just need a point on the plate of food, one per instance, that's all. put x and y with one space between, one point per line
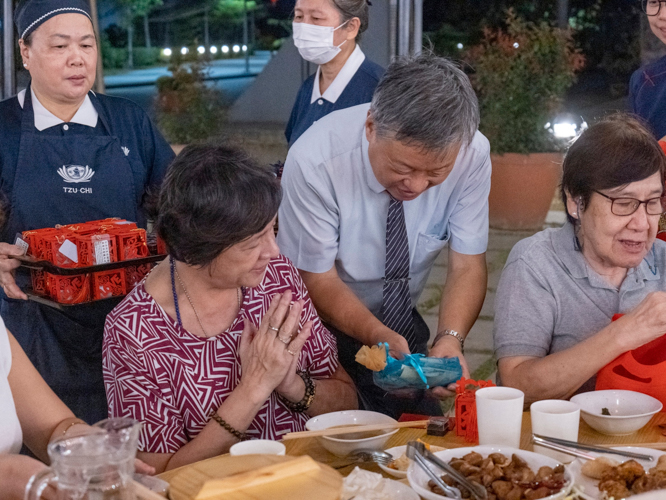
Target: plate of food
614 476
505 472
365 485
398 468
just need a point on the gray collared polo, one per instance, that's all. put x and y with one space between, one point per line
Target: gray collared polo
549 299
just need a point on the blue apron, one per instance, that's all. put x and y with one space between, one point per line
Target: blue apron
64 180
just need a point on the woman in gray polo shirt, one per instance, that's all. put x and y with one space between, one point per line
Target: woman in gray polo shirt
561 287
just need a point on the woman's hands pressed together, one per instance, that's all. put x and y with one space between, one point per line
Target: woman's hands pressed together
269 354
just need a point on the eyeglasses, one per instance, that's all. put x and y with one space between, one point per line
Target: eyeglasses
652 7
628 206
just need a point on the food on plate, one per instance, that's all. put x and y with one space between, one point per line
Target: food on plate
598 467
626 479
504 478
605 411
364 485
402 463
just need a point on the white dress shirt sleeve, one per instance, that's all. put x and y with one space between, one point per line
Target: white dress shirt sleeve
469 219
308 217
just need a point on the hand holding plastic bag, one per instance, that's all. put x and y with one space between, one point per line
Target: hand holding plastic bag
414 371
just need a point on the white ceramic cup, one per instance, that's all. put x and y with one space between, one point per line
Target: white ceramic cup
257 447
499 413
558 419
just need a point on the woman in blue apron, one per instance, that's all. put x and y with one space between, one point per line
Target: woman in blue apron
68 155
326 33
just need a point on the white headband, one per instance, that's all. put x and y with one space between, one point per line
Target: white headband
67 9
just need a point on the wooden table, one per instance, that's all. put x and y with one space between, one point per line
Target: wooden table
651 433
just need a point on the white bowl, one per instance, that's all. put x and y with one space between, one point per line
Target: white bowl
343 447
629 410
258 447
418 479
396 452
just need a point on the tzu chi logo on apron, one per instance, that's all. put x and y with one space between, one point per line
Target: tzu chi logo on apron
76 173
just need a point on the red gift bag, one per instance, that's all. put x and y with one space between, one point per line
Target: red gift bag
641 370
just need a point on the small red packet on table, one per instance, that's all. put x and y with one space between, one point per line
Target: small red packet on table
466 423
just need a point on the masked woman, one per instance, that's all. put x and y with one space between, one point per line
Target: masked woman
68 155
326 33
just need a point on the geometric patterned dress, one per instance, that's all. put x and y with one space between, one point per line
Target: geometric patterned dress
172 381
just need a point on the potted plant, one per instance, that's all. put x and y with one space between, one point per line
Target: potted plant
520 75
188 110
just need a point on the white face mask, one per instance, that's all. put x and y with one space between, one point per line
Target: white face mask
315 43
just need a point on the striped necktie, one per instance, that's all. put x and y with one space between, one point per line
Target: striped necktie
397 303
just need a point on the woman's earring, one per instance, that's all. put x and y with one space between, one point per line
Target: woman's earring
575 214
25 65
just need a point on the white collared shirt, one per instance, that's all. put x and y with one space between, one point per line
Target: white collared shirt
341 81
333 211
86 114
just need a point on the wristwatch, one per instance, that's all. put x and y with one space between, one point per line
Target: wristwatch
452 333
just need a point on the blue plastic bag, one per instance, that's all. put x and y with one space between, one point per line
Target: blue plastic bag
416 371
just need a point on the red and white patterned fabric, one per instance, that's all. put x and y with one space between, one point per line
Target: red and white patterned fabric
171 380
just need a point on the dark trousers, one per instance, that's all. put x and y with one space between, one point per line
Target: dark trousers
374 398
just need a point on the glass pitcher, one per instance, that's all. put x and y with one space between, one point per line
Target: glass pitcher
95 466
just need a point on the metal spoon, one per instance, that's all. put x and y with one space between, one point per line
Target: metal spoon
365 456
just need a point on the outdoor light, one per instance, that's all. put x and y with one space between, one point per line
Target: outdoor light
201 49
236 49
167 52
564 130
516 45
225 49
244 48
213 49
566 126
460 46
184 50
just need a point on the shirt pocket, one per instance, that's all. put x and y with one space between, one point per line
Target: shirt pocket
427 249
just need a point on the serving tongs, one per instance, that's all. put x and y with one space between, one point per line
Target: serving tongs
421 455
578 449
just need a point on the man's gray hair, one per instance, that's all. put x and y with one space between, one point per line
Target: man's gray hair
426 100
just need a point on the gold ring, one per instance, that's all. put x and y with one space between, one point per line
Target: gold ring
270 327
286 341
291 352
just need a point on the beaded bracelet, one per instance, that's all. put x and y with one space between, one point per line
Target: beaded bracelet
308 397
241 436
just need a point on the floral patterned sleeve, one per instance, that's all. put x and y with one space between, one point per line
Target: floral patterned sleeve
136 383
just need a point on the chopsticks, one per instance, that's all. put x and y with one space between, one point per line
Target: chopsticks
653 446
354 429
569 447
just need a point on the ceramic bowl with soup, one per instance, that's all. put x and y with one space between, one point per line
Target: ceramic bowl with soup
344 444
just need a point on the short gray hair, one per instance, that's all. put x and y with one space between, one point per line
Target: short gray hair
350 9
426 100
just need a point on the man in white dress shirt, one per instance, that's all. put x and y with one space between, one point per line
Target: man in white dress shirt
415 150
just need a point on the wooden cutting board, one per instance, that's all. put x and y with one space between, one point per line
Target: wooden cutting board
325 484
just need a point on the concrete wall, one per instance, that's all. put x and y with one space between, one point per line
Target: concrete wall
273 93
